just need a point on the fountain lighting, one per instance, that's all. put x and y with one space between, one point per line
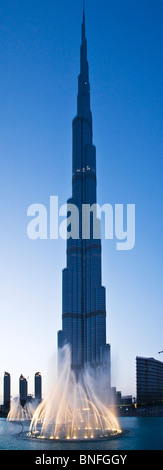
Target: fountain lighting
21 413
72 410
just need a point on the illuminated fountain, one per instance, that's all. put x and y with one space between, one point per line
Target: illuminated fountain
19 412
72 410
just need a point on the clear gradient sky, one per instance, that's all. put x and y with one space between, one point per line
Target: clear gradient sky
39 65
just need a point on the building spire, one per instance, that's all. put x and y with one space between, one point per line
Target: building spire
83 79
83 24
83 9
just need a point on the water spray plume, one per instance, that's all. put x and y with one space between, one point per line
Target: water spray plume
19 412
72 410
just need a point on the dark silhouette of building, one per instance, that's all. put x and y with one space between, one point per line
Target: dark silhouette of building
23 389
149 381
6 392
84 303
38 386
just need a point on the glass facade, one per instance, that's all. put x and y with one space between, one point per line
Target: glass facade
149 377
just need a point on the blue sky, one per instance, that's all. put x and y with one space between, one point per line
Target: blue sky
39 65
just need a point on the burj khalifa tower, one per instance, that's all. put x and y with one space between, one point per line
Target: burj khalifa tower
83 296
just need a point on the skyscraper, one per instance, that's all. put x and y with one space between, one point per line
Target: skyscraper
38 386
83 301
6 389
23 386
